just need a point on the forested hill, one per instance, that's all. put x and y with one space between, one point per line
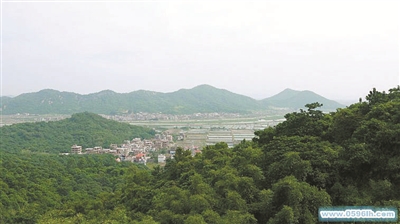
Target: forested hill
297 99
203 98
85 129
346 158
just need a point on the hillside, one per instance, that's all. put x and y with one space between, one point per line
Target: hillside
203 98
85 129
284 175
297 99
54 102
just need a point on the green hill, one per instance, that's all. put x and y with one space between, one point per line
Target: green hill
284 95
85 129
297 99
203 98
284 175
4 100
54 102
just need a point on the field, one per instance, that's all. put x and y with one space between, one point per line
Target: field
202 132
23 118
188 132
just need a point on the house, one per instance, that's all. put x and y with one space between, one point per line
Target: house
89 151
140 155
172 153
77 149
161 158
140 158
170 138
97 149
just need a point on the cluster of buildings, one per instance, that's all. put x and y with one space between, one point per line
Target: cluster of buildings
142 116
135 150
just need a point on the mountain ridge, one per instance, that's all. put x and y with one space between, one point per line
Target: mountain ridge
202 98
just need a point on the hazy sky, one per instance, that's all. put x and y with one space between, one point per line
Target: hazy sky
339 49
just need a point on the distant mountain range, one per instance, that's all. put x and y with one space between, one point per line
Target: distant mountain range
200 99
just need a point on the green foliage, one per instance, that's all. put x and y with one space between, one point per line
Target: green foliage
311 122
85 129
297 99
346 158
284 216
307 158
50 188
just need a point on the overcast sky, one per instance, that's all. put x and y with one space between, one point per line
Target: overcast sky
338 49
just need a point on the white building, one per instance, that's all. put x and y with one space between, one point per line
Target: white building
161 158
77 149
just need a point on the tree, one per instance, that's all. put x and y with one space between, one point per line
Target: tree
298 200
310 122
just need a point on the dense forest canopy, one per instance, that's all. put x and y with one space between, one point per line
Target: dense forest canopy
313 159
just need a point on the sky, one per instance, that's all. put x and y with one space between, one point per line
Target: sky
338 49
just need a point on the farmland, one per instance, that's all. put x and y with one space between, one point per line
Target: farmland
192 130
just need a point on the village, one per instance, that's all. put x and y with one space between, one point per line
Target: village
156 150
191 135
